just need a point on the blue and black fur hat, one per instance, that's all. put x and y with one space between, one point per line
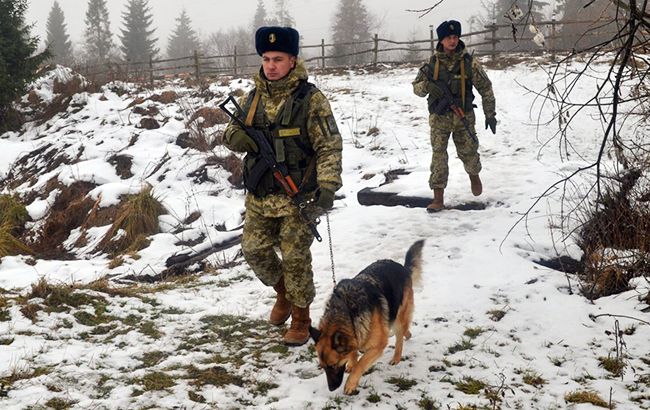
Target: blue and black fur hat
275 38
448 28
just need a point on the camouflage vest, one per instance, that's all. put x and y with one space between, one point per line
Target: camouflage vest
289 139
453 80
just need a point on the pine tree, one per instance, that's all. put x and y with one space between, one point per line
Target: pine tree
18 63
58 39
137 39
183 40
260 17
282 16
351 23
98 36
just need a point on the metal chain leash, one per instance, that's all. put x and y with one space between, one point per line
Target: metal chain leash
329 237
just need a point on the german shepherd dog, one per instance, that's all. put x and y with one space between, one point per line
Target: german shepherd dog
361 315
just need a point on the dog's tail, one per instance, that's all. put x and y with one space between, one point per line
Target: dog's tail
413 261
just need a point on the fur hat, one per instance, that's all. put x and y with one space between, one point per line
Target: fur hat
448 28
275 38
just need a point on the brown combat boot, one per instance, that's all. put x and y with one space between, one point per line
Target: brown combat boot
477 187
438 202
282 307
298 333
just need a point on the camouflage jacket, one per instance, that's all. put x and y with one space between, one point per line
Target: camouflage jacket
322 132
480 80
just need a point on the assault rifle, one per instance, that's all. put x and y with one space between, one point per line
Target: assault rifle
447 101
280 172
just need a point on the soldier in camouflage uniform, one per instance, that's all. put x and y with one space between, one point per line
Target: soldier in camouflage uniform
299 124
451 64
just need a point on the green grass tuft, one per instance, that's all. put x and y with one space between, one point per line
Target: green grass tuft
470 385
464 344
402 383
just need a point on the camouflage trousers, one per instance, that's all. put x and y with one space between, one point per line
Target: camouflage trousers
262 235
441 127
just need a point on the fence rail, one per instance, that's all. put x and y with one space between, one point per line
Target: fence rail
483 42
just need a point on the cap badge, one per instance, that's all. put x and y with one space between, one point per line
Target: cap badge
272 38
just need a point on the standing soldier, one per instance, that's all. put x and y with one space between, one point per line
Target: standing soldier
297 120
452 67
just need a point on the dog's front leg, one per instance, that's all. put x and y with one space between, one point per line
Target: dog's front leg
367 360
399 344
352 362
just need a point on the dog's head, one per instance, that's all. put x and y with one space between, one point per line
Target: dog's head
334 347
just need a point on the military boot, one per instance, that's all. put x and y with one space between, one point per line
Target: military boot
477 187
282 307
438 202
298 333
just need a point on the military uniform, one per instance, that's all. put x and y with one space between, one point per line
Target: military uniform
305 138
446 123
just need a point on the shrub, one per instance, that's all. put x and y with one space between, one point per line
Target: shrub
614 236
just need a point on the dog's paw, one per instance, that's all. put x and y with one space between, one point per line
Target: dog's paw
395 361
350 389
407 335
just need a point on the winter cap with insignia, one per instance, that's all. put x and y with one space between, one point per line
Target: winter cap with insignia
448 28
275 38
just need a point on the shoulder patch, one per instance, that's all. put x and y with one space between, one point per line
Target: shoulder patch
331 125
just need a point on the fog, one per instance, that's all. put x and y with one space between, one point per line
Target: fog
313 17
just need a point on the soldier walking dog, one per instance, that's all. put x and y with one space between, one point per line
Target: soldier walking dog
362 313
297 121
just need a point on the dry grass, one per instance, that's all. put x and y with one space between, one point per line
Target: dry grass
137 218
9 244
586 396
12 212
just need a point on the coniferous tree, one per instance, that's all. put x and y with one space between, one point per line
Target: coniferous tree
18 63
183 40
351 24
58 39
137 39
282 16
98 37
260 18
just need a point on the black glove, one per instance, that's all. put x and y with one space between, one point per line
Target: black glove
492 123
240 141
325 199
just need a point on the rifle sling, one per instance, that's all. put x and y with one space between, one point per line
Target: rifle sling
252 110
462 83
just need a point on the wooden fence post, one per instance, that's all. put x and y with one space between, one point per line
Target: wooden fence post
375 51
235 60
552 42
197 68
322 52
150 69
494 42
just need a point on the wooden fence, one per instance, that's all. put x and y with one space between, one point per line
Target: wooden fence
376 50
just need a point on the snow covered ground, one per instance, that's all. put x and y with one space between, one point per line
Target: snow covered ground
486 314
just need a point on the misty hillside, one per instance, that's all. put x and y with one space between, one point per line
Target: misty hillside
92 315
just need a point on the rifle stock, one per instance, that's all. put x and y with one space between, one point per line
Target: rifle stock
279 171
